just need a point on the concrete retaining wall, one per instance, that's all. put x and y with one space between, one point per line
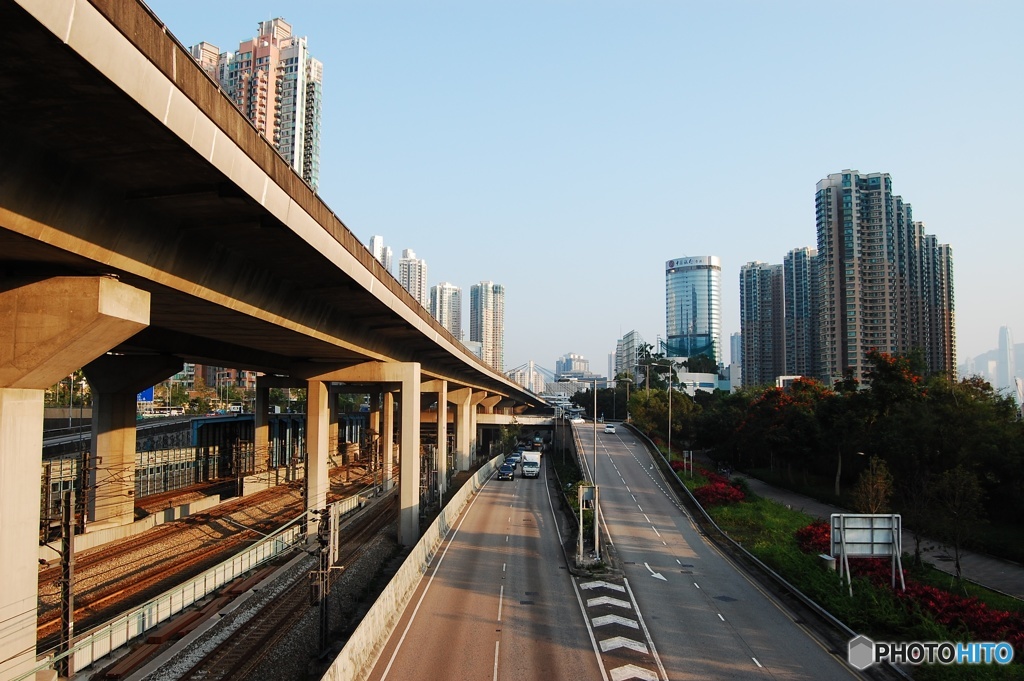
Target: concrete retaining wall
366 642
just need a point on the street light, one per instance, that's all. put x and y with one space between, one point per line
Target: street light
671 371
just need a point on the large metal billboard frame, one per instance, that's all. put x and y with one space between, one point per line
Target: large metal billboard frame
868 535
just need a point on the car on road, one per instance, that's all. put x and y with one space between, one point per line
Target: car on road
506 472
514 458
609 428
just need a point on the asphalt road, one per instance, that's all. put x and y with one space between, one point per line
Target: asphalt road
706 619
497 602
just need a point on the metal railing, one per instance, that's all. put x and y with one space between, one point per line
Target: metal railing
124 628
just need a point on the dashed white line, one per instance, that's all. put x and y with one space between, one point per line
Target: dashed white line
496 644
656 531
645 517
757 663
720 617
696 585
501 598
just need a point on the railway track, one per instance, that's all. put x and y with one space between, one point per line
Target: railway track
132 584
109 580
243 652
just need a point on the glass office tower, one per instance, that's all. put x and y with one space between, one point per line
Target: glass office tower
693 307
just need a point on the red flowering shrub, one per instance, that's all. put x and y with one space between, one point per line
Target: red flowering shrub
678 465
958 613
718 493
815 538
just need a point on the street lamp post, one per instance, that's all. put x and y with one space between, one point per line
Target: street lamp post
670 417
671 371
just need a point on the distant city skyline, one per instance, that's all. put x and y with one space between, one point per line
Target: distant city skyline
598 176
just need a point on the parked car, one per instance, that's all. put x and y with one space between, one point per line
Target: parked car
506 472
609 428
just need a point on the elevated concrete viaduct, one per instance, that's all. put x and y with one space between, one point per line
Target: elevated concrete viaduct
144 223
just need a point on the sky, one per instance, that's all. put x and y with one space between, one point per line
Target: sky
568 149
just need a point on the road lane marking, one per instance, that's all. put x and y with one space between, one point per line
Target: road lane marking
608 600
496 645
614 619
501 598
631 671
646 518
647 633
656 575
720 617
696 585
622 642
656 531
602 585
757 663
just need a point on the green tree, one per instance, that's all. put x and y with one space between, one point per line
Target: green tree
958 505
873 490
701 364
508 436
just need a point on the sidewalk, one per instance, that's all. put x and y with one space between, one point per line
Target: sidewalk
987 571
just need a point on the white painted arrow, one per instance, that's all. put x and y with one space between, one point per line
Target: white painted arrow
608 600
656 575
614 619
631 671
622 642
602 585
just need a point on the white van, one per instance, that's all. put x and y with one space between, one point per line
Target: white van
531 464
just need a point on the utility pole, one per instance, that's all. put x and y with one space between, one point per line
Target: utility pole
323 582
67 583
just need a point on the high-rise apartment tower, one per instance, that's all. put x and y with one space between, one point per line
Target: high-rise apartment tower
278 85
412 275
800 283
761 323
446 307
884 284
381 252
487 321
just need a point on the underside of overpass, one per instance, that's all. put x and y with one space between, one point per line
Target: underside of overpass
144 223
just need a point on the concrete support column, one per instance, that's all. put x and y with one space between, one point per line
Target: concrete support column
116 381
261 434
334 445
387 438
462 399
51 328
442 439
21 437
440 388
407 376
409 466
317 443
111 500
489 403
